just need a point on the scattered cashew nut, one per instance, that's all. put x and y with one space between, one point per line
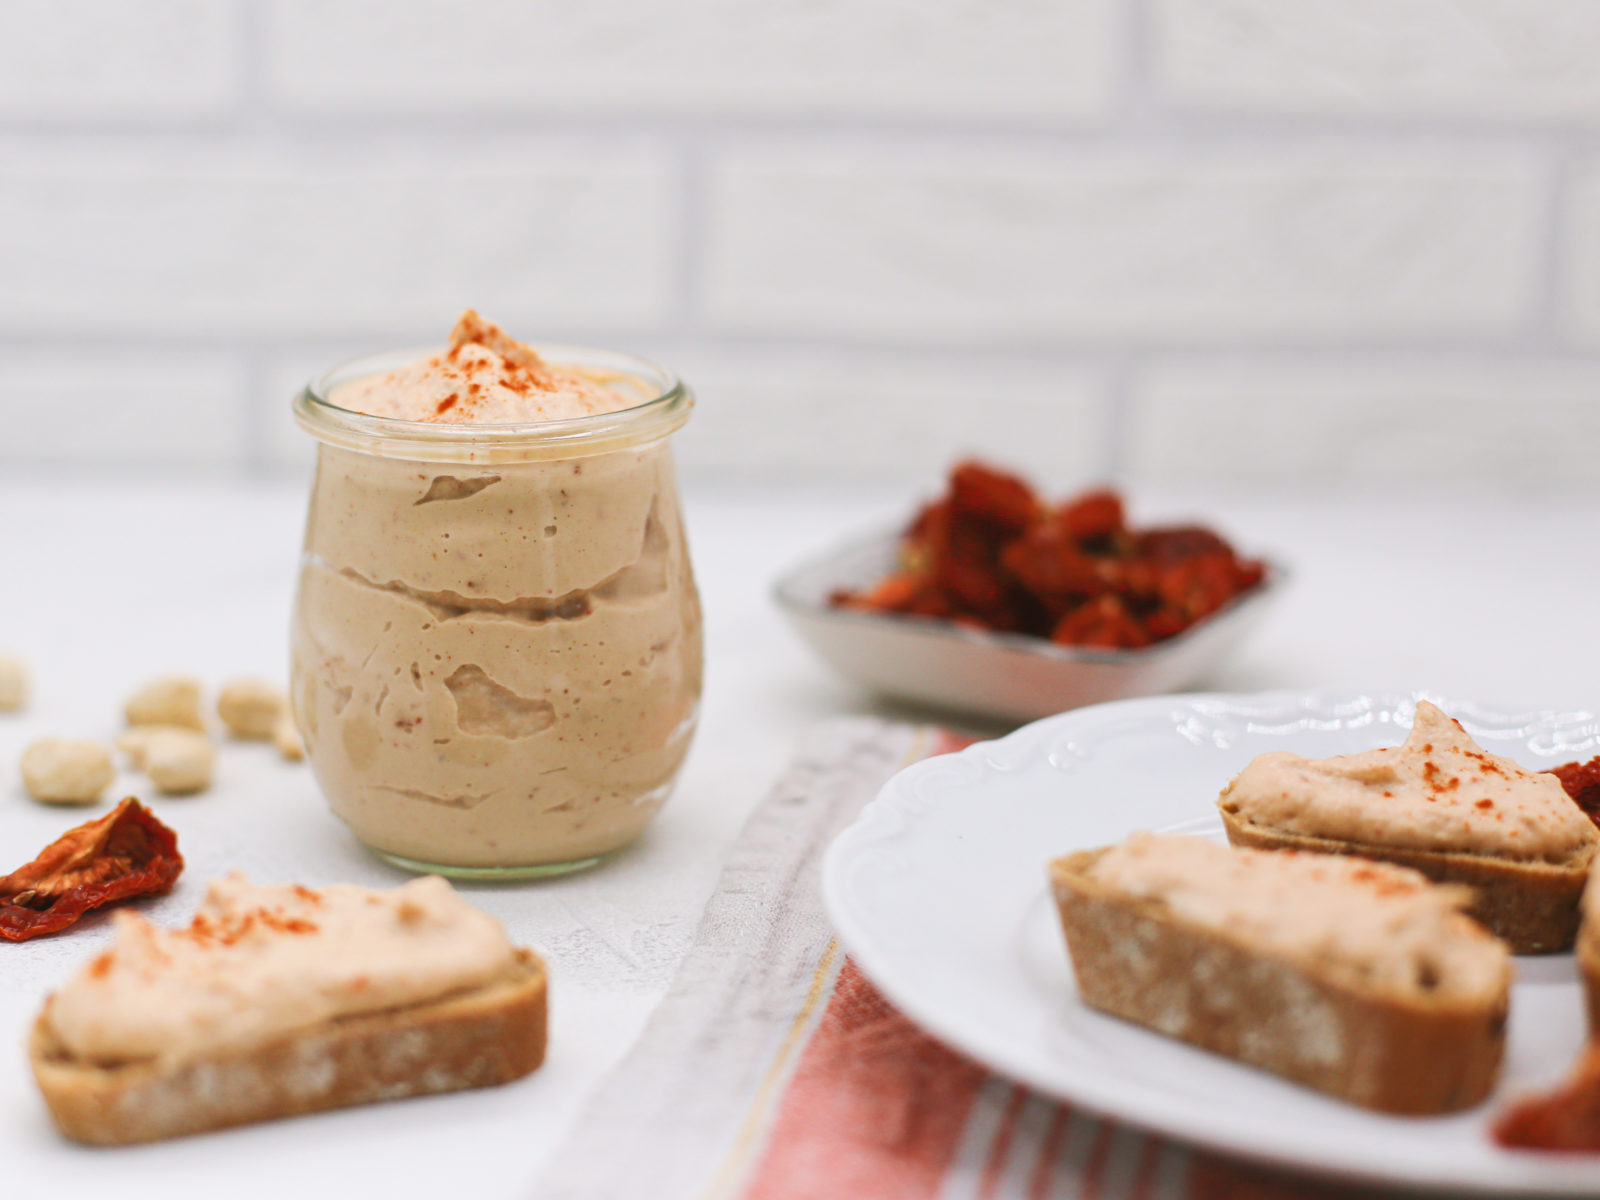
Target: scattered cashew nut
250 708
13 683
177 760
66 770
173 700
255 709
286 737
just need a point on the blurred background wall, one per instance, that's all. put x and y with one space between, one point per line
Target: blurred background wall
1185 243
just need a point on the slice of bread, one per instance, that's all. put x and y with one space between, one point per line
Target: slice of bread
1419 1048
1589 970
1439 804
1531 904
1588 951
488 1035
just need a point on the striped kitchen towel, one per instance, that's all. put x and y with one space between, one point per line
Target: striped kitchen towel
773 1070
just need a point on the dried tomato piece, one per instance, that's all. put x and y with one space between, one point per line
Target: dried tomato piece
1165 623
1095 518
1566 1119
965 566
925 525
893 593
1198 586
1047 562
1582 781
124 854
1174 543
1248 573
990 554
983 494
1104 624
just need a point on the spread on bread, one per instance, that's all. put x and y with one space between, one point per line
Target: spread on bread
1438 791
1441 805
1359 979
257 961
1368 922
1588 953
279 1000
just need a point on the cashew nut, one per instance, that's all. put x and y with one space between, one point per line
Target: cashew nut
178 761
286 737
174 700
66 770
13 683
250 708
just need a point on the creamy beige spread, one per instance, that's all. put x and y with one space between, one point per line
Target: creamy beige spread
1384 925
486 378
258 961
496 665
1438 791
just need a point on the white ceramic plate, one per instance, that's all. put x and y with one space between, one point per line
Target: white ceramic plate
939 892
1007 676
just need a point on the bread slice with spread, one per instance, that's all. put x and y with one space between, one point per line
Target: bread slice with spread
280 1000
1362 980
1588 951
1441 805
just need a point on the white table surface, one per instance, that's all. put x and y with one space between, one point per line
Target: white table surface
108 584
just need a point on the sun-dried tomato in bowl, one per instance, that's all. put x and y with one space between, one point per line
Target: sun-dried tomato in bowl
991 554
125 854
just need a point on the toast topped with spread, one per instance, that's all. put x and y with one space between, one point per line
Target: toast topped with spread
1588 951
1441 805
279 1000
1360 979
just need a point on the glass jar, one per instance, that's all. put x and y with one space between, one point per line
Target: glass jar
496 644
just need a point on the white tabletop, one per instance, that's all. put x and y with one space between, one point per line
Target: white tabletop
110 584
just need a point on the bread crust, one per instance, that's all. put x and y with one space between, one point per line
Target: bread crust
1422 1055
1531 905
488 1035
1589 970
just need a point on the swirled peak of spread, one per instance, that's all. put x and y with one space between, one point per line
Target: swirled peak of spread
1439 791
486 377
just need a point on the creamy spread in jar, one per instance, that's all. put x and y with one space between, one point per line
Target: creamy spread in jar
1438 791
1384 925
258 961
497 638
485 377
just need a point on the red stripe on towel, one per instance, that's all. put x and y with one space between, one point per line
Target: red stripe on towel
875 1107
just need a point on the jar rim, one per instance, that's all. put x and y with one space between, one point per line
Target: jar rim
649 420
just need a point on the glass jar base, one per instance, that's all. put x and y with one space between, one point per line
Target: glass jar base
491 874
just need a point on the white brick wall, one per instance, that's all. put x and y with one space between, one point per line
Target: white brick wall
1488 59
890 417
1196 242
1029 59
101 60
1581 256
215 241
1327 423
1034 243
